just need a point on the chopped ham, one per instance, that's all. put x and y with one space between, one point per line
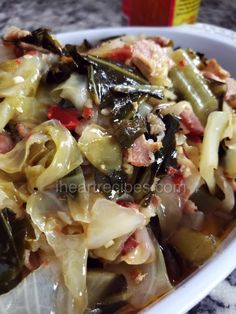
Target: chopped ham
230 96
6 143
139 154
213 67
191 122
152 60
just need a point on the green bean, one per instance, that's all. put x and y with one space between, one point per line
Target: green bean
189 82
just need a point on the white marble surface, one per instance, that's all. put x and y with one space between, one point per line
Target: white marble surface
68 15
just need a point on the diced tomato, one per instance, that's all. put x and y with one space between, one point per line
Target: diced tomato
87 113
68 117
129 245
120 54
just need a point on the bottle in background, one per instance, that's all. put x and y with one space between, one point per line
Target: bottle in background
160 12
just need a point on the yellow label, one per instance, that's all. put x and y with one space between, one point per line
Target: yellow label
185 11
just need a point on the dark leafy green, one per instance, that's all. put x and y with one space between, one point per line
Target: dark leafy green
154 91
104 76
165 157
12 246
109 185
218 88
80 62
58 73
126 131
41 37
122 107
167 154
84 47
71 184
173 261
107 291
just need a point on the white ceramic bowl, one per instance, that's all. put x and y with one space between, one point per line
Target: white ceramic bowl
214 42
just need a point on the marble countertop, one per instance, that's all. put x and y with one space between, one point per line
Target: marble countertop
70 15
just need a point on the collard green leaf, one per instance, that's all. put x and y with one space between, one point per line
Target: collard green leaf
12 242
165 157
42 38
154 91
114 184
126 131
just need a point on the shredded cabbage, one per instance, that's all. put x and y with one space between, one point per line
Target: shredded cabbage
70 250
74 89
110 221
47 155
216 125
41 292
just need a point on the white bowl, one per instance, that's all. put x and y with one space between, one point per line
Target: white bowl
214 42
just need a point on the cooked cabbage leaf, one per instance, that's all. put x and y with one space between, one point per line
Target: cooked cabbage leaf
101 149
22 109
110 221
75 89
21 77
34 155
214 132
41 292
70 250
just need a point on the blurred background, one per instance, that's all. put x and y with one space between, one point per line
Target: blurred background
68 15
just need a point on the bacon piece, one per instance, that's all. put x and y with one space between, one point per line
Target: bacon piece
128 204
213 67
6 143
230 96
191 122
140 154
129 245
152 60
